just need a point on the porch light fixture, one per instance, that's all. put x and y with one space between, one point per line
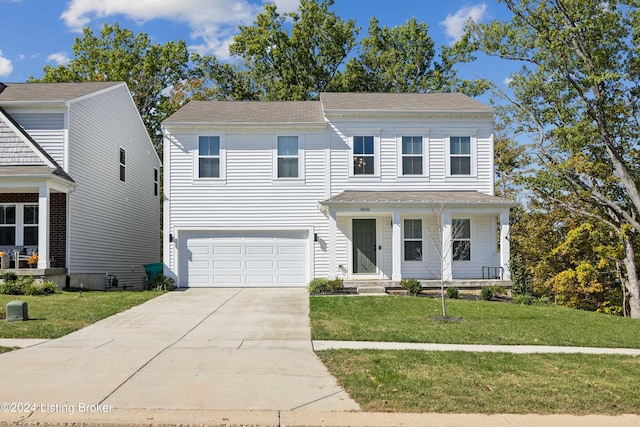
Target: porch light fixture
315 237
171 237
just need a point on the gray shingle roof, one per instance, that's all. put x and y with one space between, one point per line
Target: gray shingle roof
50 92
415 102
415 197
249 112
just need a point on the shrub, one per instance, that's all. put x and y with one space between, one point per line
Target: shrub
161 283
412 286
11 288
486 293
45 288
520 277
318 285
335 284
9 276
524 299
453 293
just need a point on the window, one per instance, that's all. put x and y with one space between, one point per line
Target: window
209 157
413 240
123 162
363 155
460 155
30 228
156 182
461 236
8 225
412 162
288 157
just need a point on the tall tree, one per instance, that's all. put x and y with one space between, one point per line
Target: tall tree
403 59
119 55
295 55
578 93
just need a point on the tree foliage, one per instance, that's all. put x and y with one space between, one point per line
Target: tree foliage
118 55
577 94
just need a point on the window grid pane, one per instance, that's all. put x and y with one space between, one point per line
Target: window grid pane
460 145
411 145
288 167
8 214
30 236
363 165
460 166
31 214
363 145
7 236
209 167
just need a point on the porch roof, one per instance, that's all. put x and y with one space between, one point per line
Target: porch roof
29 172
414 198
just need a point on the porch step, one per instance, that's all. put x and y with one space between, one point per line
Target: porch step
372 290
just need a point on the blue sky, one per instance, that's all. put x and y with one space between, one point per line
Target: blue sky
35 33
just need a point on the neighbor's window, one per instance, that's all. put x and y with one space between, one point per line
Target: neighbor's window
461 237
363 155
412 155
413 240
123 163
288 157
209 157
460 155
30 228
156 182
8 225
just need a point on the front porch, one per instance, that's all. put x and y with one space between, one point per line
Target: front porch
460 237
56 275
384 286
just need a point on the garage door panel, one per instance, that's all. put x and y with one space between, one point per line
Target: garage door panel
244 258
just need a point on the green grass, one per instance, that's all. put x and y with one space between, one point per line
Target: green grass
5 349
412 319
56 315
458 382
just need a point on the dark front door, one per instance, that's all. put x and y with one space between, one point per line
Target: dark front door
364 246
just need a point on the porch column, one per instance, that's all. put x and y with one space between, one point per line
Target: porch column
504 244
396 247
43 226
333 270
447 248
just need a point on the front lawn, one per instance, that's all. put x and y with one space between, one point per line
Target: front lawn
53 316
458 382
413 319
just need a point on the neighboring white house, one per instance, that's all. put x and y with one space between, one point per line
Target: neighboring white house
356 185
81 153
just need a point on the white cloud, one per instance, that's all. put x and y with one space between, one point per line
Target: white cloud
60 58
454 24
507 80
6 67
212 22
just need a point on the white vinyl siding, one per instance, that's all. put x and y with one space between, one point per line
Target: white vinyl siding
47 129
113 228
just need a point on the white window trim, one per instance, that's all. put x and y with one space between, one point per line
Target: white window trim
404 239
223 161
122 165
473 135
20 225
301 173
470 239
376 154
425 156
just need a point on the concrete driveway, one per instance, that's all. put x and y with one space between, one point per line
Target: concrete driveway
246 349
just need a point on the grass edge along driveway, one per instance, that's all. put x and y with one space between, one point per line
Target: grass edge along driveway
462 382
53 316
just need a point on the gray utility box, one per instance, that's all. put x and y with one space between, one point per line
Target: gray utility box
17 310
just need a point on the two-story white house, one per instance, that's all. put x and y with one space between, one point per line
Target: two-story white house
365 186
79 184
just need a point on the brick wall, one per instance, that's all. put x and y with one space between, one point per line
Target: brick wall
58 229
57 224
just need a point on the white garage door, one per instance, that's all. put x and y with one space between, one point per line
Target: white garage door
247 258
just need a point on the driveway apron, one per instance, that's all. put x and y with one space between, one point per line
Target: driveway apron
195 349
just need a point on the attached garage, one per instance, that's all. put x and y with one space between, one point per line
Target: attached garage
244 258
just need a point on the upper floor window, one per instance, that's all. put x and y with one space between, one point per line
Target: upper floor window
288 157
209 157
363 155
412 155
156 182
8 225
413 240
461 238
460 155
123 163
